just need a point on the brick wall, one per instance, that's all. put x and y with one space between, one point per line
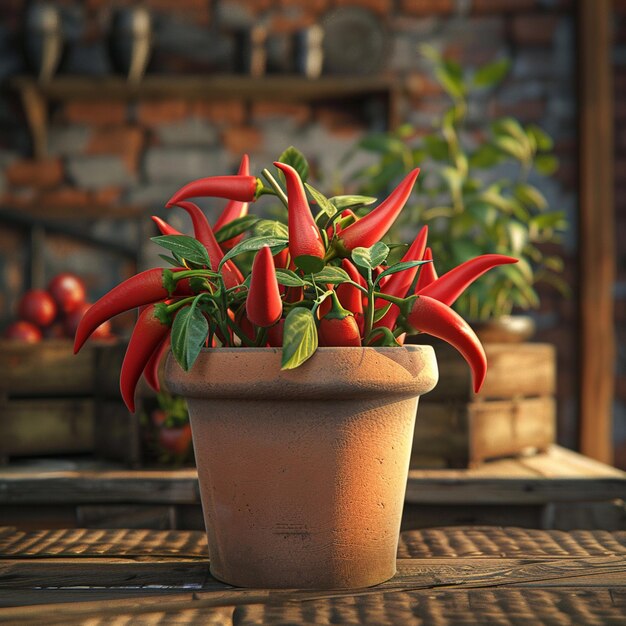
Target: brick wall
111 152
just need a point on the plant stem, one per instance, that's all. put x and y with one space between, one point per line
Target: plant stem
276 187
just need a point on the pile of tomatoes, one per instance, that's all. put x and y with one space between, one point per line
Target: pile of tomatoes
53 312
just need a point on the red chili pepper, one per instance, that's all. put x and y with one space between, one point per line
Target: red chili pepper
304 235
204 234
142 289
372 227
347 217
164 227
338 327
400 282
151 371
234 209
241 188
436 318
275 334
148 334
427 274
263 304
350 296
450 286
281 260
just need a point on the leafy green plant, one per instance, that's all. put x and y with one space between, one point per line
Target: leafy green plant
477 196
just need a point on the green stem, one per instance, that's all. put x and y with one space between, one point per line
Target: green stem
276 187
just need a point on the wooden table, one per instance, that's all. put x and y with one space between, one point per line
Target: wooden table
556 490
453 575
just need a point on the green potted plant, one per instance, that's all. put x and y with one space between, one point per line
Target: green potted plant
301 395
479 195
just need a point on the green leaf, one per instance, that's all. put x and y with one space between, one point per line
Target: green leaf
369 258
382 142
485 157
450 77
288 278
543 141
332 275
322 201
518 236
399 267
531 196
271 228
437 147
299 338
256 243
510 126
292 156
185 247
546 164
380 313
172 261
350 202
189 332
235 227
491 74
512 147
309 264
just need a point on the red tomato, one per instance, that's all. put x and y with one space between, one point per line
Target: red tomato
176 440
38 307
23 331
68 291
71 321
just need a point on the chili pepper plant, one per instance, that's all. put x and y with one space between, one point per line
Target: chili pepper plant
323 279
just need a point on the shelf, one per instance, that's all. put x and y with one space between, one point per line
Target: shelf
35 95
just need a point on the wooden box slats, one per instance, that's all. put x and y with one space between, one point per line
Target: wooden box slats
513 413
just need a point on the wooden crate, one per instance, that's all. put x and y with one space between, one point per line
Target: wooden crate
513 413
55 402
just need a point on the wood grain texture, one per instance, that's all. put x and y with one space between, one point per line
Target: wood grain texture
597 228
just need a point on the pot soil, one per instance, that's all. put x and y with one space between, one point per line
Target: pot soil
303 472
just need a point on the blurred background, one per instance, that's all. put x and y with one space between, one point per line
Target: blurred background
108 107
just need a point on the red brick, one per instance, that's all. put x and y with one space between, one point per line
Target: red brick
421 85
382 7
220 111
263 110
529 30
501 6
313 6
98 113
334 118
66 197
425 8
42 173
285 24
124 141
107 195
255 6
240 139
528 111
155 112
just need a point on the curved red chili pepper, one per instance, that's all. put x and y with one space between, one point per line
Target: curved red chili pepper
241 188
234 209
348 216
400 282
350 296
338 327
142 289
164 227
372 227
148 334
263 304
204 234
151 371
304 235
436 318
427 274
448 287
275 334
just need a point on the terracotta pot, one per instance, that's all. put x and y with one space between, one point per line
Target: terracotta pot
505 329
303 472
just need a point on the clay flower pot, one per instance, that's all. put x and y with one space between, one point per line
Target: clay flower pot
303 472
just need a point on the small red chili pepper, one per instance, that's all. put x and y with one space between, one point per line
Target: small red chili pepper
151 371
204 234
347 217
400 282
164 227
263 304
234 209
241 188
427 272
372 227
438 319
450 286
148 334
304 235
275 334
350 296
338 327
281 260
142 289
